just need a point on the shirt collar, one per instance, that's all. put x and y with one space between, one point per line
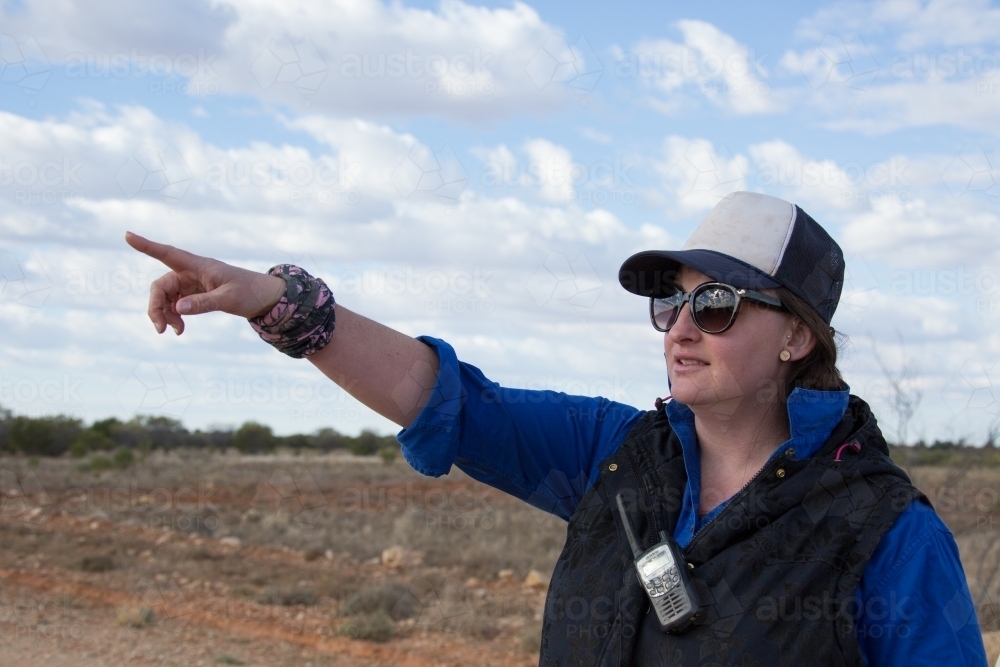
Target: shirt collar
812 416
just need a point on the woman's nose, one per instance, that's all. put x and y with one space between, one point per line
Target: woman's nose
684 328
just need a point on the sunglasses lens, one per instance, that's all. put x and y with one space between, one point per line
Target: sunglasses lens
664 310
714 308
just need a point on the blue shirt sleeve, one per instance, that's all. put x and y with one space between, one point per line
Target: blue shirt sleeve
913 600
543 447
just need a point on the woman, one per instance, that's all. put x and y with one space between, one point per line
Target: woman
801 541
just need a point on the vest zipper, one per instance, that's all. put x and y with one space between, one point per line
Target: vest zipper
734 499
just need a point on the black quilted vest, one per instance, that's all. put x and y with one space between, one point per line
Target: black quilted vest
778 567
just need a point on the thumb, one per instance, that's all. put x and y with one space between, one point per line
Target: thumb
196 304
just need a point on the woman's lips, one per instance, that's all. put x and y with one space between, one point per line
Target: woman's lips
688 365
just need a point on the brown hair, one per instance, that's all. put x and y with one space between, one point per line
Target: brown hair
818 369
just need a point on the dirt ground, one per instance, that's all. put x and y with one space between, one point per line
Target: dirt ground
190 558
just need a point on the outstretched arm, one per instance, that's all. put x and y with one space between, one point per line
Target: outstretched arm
386 370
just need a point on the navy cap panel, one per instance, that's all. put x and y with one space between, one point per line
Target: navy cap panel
647 272
812 266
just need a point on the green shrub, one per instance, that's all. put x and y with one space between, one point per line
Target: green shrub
123 458
253 438
106 427
91 440
393 599
45 436
375 627
365 444
97 464
388 454
326 439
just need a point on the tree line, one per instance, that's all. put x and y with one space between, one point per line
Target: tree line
59 434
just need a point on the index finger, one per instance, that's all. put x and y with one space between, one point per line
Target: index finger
175 258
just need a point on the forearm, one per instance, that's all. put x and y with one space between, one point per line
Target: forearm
390 372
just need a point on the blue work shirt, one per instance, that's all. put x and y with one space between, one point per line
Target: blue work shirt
545 447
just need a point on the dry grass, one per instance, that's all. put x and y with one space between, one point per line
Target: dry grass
335 515
967 498
134 617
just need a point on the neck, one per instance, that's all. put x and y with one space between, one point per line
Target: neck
735 444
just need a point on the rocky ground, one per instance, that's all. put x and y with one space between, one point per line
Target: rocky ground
197 559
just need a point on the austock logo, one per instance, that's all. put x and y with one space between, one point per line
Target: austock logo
558 63
700 173
291 61
974 170
839 61
24 281
26 617
21 497
424 172
300 499
165 598
155 168
23 64
562 280
155 387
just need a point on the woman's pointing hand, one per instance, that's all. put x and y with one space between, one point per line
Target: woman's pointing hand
198 284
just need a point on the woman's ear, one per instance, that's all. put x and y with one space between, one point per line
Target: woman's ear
799 339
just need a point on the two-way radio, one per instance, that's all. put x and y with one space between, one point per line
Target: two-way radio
663 574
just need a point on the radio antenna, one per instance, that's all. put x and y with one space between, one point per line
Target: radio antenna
637 549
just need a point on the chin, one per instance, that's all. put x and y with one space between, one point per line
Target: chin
687 393
710 397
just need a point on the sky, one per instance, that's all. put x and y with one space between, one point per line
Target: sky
478 173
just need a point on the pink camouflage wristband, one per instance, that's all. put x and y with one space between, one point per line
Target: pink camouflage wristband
303 320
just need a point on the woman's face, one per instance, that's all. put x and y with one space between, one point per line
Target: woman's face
721 372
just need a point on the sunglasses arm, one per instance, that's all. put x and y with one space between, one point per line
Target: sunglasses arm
759 296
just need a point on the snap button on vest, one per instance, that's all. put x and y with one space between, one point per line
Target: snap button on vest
613 467
780 473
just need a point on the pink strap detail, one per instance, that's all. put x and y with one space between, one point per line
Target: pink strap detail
854 444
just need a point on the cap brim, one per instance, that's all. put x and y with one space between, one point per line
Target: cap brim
648 272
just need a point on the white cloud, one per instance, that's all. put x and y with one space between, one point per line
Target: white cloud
968 104
708 61
499 166
896 64
455 271
555 170
342 57
781 169
914 23
547 172
698 174
927 233
945 22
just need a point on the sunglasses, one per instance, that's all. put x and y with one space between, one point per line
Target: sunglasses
714 306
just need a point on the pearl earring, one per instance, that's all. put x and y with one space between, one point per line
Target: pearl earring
785 355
